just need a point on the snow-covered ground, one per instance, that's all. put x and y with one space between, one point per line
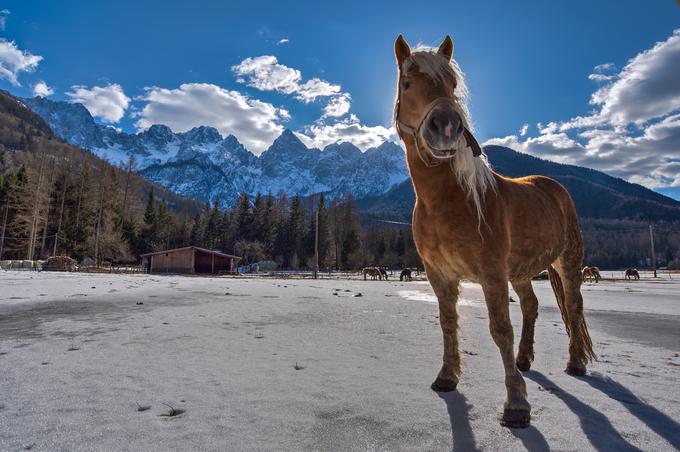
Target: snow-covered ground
271 364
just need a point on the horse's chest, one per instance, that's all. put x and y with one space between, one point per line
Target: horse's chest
438 239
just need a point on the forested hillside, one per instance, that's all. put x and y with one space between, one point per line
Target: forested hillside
57 198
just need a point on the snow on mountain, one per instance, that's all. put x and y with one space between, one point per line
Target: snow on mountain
201 164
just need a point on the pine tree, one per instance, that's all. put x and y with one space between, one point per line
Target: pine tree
296 233
243 218
148 236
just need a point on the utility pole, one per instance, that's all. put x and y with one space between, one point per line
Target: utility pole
316 241
651 239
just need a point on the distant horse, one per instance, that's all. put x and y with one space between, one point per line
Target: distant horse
373 272
383 272
472 223
590 274
405 275
632 273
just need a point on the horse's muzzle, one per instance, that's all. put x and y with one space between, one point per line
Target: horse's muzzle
442 130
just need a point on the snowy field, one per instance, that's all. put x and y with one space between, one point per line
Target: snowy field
94 362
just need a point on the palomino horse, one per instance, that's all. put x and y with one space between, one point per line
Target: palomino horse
470 222
373 272
590 274
632 273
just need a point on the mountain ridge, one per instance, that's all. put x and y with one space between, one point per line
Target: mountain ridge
221 166
201 164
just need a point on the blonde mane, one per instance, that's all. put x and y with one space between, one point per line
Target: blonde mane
473 173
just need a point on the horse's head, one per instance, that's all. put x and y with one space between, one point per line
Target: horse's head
429 106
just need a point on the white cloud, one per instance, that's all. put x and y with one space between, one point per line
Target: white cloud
337 106
523 131
634 132
311 89
42 89
350 129
13 61
647 88
600 77
604 67
256 124
283 41
3 19
267 74
106 102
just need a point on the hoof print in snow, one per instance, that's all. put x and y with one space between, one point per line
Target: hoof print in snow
143 407
173 411
44 363
166 323
259 336
72 348
516 419
139 302
298 367
358 294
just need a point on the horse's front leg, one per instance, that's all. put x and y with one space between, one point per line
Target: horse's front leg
516 410
446 289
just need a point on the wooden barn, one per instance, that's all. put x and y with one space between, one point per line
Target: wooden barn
190 259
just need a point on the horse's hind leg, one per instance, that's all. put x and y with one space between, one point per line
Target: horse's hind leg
580 345
446 290
529 305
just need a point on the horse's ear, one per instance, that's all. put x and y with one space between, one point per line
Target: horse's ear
401 49
446 48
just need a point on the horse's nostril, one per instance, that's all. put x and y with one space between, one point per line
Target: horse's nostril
460 127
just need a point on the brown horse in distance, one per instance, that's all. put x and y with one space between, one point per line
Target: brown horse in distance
472 223
591 274
373 272
632 273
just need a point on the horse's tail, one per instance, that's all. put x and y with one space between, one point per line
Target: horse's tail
558 289
556 283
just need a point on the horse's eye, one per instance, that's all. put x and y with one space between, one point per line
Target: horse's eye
406 84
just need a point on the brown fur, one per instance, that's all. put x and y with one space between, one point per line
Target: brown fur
632 273
527 225
590 274
373 272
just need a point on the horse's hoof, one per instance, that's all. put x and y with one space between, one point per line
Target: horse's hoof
441 385
516 418
575 371
523 365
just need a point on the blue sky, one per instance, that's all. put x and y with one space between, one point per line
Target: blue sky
270 65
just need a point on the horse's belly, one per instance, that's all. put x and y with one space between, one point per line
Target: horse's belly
528 261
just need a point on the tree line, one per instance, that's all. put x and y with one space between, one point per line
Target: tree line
286 231
83 207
